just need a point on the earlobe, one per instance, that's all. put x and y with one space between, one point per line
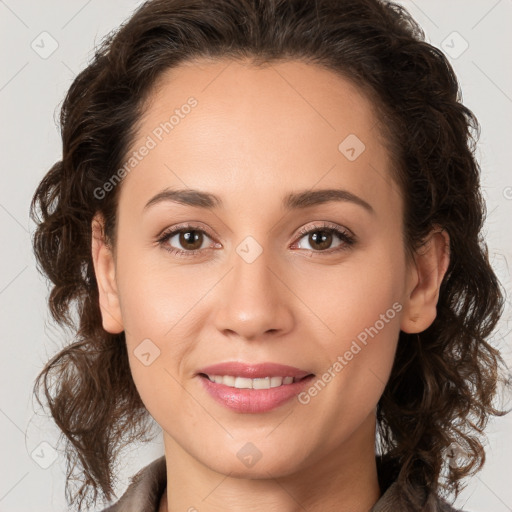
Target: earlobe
429 268
104 269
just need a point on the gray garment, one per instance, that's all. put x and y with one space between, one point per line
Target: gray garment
147 486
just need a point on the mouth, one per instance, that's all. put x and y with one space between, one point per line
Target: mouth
259 388
253 395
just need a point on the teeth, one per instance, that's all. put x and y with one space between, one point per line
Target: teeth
245 383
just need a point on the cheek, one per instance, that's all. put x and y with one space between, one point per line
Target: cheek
163 309
355 372
354 295
158 295
360 308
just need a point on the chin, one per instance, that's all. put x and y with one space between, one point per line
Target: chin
254 461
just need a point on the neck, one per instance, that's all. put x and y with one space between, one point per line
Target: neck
342 479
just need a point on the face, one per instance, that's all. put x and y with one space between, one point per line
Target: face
272 271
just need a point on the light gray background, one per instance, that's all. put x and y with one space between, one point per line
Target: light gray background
31 90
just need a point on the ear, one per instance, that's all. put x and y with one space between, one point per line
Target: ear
426 274
104 269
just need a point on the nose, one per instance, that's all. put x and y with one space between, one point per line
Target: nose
254 300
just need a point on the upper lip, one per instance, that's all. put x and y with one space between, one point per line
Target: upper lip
254 371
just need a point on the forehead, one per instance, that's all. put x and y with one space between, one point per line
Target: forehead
255 95
224 125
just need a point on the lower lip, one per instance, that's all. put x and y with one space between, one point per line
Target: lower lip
253 400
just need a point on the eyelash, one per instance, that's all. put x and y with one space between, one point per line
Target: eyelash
344 235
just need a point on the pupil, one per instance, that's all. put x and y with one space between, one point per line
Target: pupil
186 239
323 241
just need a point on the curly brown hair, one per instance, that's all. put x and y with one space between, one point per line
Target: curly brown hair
444 381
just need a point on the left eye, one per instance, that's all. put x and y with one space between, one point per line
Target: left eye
322 238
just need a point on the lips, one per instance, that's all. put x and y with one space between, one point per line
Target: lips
254 371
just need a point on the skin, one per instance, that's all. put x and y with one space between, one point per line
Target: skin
257 134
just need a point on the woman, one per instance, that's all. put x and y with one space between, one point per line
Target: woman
269 217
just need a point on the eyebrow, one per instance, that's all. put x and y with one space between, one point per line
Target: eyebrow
292 201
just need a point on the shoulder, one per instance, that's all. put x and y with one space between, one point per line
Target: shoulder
393 498
446 507
144 491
